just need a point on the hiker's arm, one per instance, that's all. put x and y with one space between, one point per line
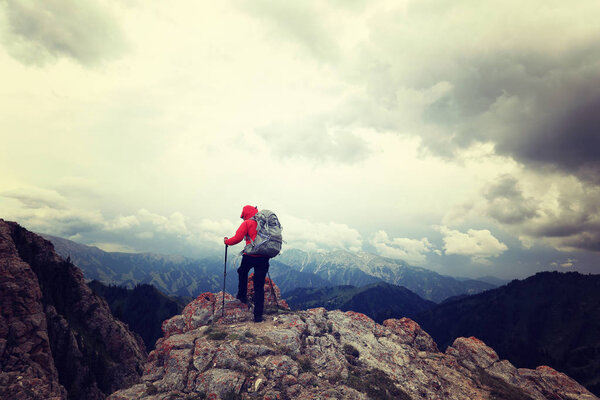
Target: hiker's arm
239 235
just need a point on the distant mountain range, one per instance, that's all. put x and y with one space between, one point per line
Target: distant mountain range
358 269
181 276
380 300
172 275
494 280
550 318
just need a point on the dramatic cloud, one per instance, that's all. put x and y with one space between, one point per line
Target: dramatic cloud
558 210
306 235
480 245
33 197
413 251
506 202
36 32
542 112
529 87
47 212
315 140
61 222
300 23
145 230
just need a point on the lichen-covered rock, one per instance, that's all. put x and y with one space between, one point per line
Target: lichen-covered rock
545 380
408 331
273 297
211 307
473 353
319 354
541 383
57 338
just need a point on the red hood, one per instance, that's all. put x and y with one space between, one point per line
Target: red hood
248 212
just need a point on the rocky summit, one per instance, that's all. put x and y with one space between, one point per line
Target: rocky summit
215 352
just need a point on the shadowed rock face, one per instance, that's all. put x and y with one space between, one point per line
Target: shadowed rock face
57 339
208 352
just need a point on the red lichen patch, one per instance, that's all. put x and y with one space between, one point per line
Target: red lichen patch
360 317
404 325
408 331
173 326
548 380
547 370
295 323
362 321
475 341
197 313
234 311
472 352
280 366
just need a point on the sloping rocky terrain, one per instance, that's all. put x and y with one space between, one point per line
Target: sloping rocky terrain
215 352
58 340
550 318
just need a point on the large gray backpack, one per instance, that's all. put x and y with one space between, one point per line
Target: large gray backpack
268 235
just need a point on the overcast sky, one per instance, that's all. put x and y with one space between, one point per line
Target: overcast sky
462 136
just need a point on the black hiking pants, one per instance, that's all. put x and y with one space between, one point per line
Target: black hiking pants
261 267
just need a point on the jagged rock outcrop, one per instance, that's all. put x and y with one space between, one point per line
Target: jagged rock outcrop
550 318
58 340
215 353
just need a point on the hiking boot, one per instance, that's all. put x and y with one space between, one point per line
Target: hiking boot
258 319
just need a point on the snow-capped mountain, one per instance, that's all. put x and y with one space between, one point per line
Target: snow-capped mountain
343 267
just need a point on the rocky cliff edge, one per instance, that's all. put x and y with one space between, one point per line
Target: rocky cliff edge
209 352
57 339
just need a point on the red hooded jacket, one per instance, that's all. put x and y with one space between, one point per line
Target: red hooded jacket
247 229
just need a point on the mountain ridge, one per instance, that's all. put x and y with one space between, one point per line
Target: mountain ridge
181 276
337 265
379 301
550 318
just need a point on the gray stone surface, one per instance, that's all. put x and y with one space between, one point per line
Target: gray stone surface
319 354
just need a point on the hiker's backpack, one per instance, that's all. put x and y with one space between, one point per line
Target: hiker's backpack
268 235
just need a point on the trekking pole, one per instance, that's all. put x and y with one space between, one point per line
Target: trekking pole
273 290
224 280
